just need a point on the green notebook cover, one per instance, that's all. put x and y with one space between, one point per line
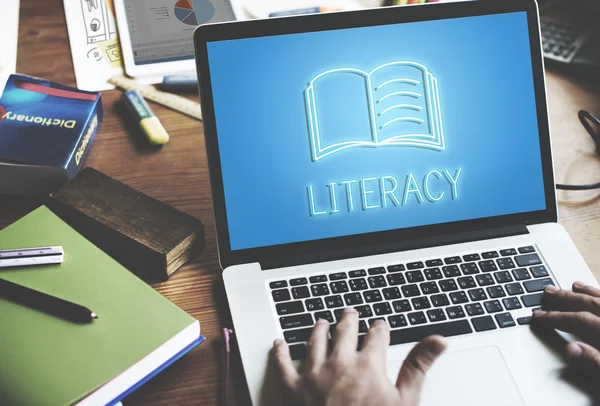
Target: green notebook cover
45 360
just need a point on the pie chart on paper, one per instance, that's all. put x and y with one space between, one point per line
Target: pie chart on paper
194 12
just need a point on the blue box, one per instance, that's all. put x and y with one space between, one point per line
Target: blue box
46 132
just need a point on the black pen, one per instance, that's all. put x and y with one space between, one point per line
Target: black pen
45 303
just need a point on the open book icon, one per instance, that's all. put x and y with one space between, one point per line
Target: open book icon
396 104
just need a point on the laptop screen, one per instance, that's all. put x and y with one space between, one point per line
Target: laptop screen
344 132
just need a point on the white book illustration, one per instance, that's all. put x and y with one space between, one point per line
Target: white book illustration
396 104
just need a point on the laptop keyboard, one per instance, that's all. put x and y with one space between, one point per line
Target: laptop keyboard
450 296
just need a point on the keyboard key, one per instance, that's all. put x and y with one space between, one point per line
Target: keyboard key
484 323
391 293
514 289
448 285
334 301
401 306
490 255
372 296
290 308
320 289
528 259
488 265
372 321
458 297
503 277
358 273
433 274
429 287
417 318
352 299
471 257
537 285
364 311
301 320
396 268
526 250
298 352
298 281
469 268
539 271
410 290
358 284
414 276
493 306
511 303
440 300
337 276
455 312
281 295
505 320
477 294
300 292
485 279
396 279
521 274
397 321
318 279
505 263
508 252
524 320
495 292
312 304
434 262
452 260
339 313
414 334
362 327
466 282
415 265
474 309
381 309
451 271
377 281
420 303
324 315
296 336
436 315
278 284
377 271
339 287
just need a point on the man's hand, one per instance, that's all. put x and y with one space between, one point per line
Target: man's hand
576 312
345 376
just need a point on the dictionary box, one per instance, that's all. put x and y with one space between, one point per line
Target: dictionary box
46 132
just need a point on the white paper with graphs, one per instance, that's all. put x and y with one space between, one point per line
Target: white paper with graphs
396 104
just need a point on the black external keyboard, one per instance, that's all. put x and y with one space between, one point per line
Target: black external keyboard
461 294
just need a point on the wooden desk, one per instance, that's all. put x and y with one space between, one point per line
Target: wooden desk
178 175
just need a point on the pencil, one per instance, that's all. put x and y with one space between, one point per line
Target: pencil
45 303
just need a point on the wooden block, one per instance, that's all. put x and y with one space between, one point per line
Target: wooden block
150 238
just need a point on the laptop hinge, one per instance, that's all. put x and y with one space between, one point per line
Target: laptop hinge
396 246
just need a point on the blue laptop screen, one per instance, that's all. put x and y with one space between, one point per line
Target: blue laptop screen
344 132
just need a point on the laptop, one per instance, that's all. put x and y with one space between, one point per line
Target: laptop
398 161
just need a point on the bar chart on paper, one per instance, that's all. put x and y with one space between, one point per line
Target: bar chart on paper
194 12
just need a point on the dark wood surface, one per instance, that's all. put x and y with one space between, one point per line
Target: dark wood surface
178 175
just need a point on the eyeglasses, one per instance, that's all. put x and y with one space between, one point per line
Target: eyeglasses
592 125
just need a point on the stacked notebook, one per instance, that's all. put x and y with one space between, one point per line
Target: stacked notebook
45 360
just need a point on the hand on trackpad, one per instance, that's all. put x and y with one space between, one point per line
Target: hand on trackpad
469 378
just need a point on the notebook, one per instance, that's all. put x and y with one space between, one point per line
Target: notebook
48 361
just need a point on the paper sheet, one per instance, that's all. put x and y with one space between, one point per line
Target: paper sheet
9 35
262 8
94 42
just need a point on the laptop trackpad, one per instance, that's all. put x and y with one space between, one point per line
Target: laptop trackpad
469 378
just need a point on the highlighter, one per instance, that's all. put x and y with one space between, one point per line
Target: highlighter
149 124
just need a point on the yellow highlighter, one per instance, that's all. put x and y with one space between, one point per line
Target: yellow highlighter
152 128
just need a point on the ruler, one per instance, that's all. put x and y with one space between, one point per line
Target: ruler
31 256
172 101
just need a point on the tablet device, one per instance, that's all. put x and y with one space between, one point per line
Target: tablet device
157 35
